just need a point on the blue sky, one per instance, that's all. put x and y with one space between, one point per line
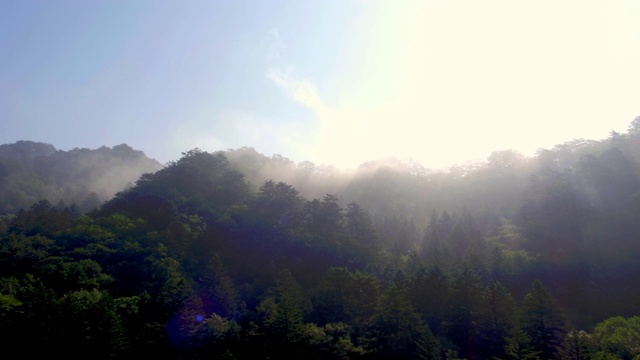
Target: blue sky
335 82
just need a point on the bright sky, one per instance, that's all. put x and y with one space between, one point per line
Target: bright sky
334 81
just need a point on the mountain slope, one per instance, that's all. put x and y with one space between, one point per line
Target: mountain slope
32 171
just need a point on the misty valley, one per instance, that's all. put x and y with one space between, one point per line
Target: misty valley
237 255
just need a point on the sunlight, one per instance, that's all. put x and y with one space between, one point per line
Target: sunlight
479 78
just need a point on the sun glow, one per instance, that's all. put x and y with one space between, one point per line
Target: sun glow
448 82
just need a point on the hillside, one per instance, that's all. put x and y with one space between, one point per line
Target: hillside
32 171
235 254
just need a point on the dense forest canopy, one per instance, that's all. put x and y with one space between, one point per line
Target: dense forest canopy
235 254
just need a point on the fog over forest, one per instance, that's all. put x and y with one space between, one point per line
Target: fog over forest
237 255
331 180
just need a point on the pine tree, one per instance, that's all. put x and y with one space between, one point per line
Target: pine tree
428 346
467 296
517 345
542 321
498 319
292 304
398 324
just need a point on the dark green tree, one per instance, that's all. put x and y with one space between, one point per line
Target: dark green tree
283 311
498 318
358 224
325 219
463 320
280 205
335 297
429 292
398 325
428 346
542 321
518 345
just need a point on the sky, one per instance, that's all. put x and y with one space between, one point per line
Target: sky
337 82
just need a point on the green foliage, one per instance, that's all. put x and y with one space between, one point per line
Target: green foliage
620 336
430 292
86 274
465 312
577 345
428 346
333 341
398 325
518 345
404 263
498 319
542 321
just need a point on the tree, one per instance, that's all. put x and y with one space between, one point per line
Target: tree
91 324
577 345
428 346
362 244
358 224
429 291
552 220
218 293
634 127
335 297
279 205
518 345
542 321
284 310
324 218
497 319
620 336
398 325
467 298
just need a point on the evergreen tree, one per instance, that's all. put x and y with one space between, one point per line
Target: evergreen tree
518 345
428 346
498 319
467 297
288 321
429 291
398 325
542 321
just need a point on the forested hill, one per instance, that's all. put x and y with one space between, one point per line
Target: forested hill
32 171
236 255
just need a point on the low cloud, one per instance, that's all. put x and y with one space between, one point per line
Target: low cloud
304 92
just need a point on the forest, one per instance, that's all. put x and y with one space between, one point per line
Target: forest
236 255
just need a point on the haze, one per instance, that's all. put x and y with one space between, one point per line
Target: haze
332 82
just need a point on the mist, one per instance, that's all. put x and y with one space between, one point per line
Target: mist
36 171
232 237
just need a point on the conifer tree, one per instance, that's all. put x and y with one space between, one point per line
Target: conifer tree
542 321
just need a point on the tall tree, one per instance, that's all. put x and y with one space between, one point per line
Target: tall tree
286 326
324 218
279 203
398 324
542 321
467 297
498 319
429 291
